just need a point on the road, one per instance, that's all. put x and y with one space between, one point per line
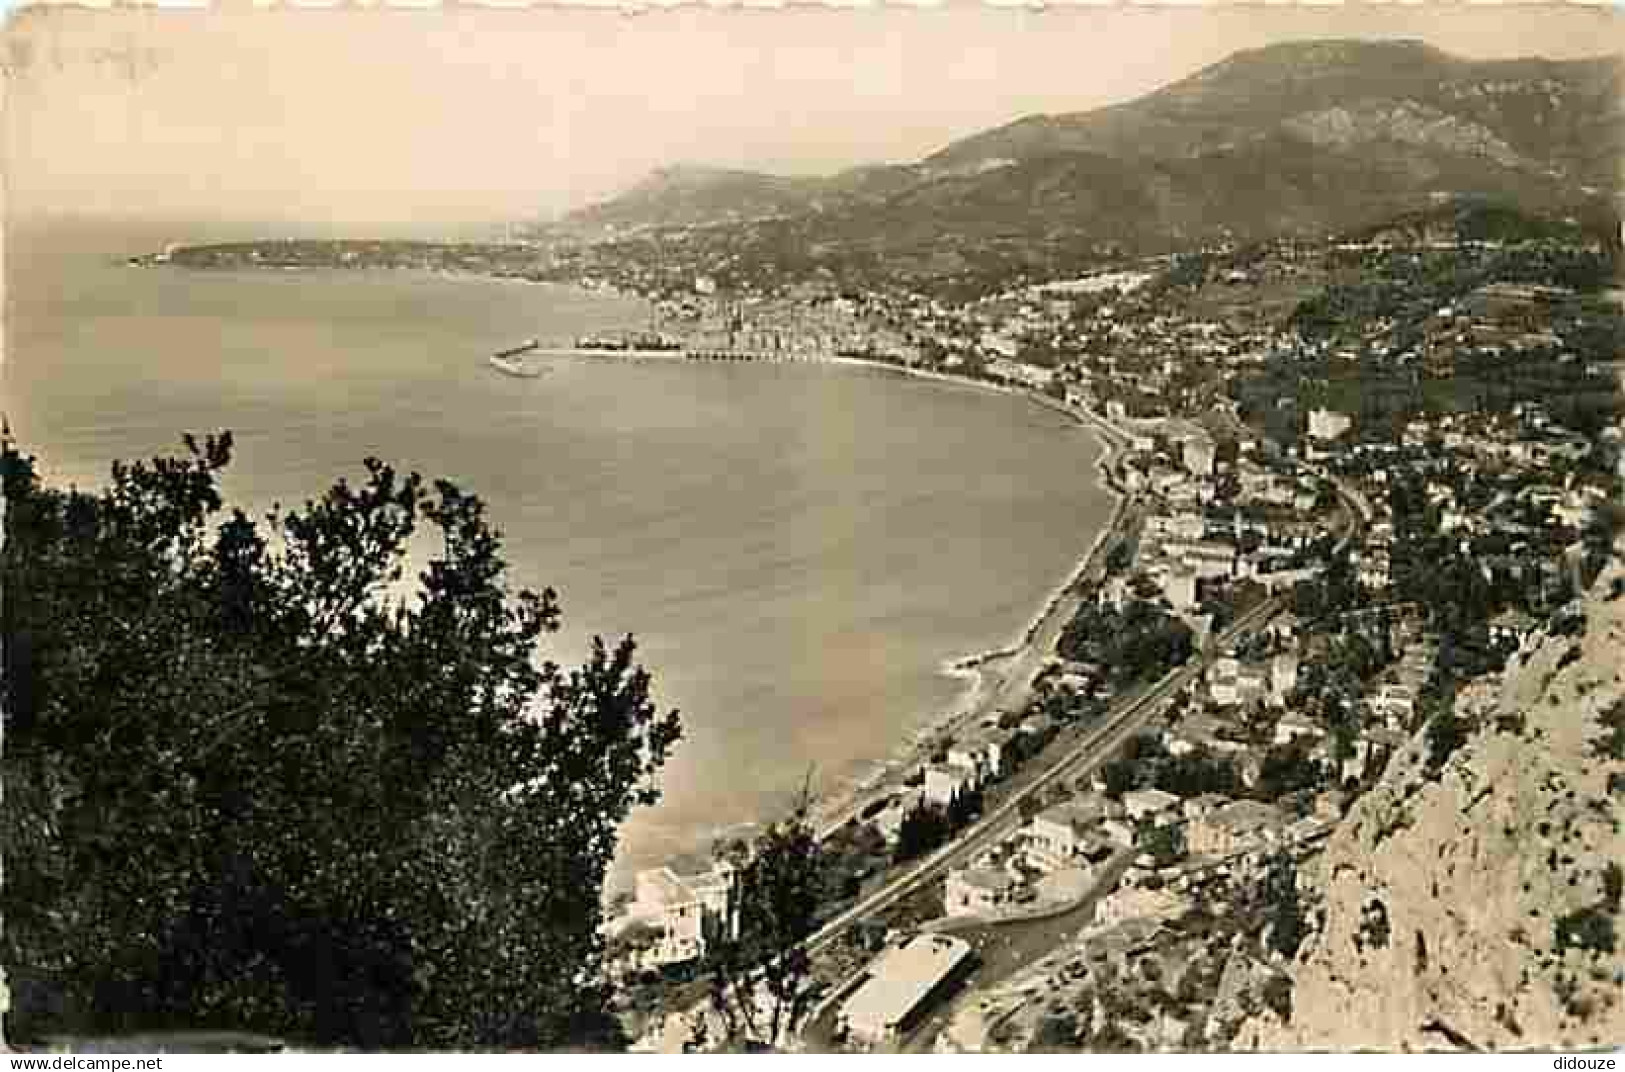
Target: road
1121 722
1004 948
1098 745
1131 716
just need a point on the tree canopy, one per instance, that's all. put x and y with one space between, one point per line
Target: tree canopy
761 971
256 777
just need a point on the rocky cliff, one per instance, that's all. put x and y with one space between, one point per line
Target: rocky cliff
1474 904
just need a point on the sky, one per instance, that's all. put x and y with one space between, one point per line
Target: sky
464 113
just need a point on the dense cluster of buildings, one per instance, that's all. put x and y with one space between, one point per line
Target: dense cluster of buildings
1346 520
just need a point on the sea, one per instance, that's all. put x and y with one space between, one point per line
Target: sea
799 549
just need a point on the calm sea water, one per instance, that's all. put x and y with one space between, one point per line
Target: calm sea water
797 548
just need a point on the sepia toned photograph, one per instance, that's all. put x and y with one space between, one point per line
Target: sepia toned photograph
890 530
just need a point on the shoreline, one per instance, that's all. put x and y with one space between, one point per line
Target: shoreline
987 674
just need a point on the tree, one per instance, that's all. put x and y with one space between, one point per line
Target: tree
760 970
1446 732
1120 776
963 809
1287 769
1166 843
924 828
1197 772
253 778
1282 905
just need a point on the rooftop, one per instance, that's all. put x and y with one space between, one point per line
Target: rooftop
1076 814
1245 816
1150 800
661 886
984 878
900 979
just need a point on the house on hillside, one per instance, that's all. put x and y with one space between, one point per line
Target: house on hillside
1068 834
978 891
684 911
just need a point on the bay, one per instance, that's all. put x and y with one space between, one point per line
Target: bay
798 548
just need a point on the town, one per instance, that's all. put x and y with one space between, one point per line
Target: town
1354 474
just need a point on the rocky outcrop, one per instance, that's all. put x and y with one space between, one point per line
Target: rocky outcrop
1474 904
1405 123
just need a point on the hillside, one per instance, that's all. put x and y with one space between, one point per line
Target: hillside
1528 113
1477 906
1292 138
686 196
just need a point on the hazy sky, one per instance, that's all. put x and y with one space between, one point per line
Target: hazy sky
474 113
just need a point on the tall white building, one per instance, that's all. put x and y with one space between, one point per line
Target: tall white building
683 910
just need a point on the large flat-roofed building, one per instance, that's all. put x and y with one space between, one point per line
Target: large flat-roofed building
903 982
1327 424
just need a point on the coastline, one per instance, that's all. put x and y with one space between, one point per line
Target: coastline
995 675
990 680
993 678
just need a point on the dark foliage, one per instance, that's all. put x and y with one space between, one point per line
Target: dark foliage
923 829
761 948
1278 902
1610 744
1288 769
1139 643
250 784
1590 928
1446 732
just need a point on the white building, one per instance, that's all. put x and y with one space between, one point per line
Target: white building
944 783
1152 804
1395 703
1067 835
889 822
978 891
1283 675
1327 424
1120 831
1230 683
1237 827
902 983
1179 587
1140 903
683 910
1198 455
1293 725
983 755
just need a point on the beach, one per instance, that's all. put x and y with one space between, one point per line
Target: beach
796 604
995 680
1000 679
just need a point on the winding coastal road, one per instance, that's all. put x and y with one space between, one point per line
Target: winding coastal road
1130 716
1126 718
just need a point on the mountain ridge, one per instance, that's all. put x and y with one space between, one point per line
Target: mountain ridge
1292 136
